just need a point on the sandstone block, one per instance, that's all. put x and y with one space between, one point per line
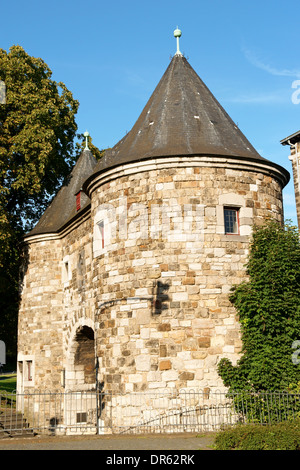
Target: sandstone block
135 378
180 296
169 375
142 362
165 365
204 342
186 376
164 327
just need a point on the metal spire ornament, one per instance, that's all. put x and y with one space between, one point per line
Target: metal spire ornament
86 135
177 35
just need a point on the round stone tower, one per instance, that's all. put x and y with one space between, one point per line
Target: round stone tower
129 270
172 209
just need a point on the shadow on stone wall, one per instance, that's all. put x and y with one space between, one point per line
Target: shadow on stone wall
160 297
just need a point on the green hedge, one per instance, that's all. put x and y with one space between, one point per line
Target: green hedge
281 436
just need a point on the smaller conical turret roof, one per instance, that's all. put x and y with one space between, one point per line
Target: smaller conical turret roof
63 207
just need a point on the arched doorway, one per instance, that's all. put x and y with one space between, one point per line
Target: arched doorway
80 404
85 353
80 371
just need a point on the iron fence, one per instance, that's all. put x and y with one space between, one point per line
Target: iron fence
163 411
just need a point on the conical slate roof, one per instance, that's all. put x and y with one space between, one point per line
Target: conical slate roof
181 118
63 207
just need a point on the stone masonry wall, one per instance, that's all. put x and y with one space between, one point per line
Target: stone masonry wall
163 316
56 303
40 317
79 304
154 296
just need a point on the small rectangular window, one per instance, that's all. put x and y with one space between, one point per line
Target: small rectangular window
81 417
101 232
66 273
25 372
78 201
231 220
29 370
66 270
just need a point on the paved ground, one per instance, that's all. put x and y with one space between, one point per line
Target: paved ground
162 442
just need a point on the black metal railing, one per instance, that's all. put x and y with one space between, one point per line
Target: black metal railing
167 410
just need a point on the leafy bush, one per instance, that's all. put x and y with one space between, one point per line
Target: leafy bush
281 436
265 407
268 306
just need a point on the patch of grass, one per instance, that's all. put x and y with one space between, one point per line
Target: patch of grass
8 382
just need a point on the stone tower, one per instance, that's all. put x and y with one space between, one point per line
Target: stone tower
131 265
294 143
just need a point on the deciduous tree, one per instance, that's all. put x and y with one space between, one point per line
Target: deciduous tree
37 131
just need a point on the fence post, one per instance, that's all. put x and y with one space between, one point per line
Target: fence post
111 413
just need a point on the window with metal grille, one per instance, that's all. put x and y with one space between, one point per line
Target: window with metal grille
231 220
81 418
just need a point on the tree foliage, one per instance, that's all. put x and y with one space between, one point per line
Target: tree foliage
37 131
98 154
268 305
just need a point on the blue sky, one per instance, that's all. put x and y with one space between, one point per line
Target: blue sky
111 55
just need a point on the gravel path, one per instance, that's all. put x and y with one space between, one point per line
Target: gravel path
162 442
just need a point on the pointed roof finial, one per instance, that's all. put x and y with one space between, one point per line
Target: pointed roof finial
177 34
86 135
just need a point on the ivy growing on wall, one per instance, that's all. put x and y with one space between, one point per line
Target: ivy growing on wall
268 306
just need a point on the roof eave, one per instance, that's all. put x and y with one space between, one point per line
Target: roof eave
59 231
291 139
284 179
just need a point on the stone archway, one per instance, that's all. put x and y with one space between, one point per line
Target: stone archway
80 370
85 353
